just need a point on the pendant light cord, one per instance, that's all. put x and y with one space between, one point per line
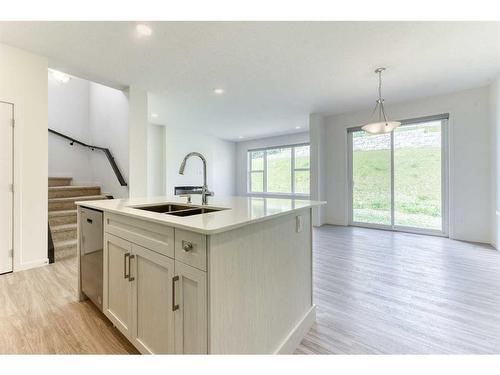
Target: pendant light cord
380 100
383 125
380 85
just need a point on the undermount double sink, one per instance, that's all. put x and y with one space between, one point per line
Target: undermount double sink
178 209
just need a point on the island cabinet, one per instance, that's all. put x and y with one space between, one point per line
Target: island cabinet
158 302
176 285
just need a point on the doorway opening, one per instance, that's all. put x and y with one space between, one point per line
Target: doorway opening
87 153
398 180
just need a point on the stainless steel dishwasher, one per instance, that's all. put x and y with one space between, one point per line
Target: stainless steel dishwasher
91 244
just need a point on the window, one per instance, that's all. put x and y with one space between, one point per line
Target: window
279 170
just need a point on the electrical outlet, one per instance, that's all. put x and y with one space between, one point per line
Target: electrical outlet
298 222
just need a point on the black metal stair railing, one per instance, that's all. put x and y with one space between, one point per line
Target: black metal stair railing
106 151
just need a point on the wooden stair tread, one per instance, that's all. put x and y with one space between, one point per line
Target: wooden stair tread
74 187
63 227
79 198
62 213
59 181
65 243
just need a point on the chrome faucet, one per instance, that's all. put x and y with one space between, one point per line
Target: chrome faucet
204 191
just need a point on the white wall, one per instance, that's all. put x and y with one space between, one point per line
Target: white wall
23 81
469 157
108 124
94 114
138 142
220 157
156 160
317 130
495 162
69 114
242 152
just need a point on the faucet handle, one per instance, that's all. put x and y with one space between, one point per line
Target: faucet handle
188 196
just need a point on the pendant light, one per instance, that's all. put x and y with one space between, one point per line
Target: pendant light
382 125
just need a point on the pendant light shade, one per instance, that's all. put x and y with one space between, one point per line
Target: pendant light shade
381 125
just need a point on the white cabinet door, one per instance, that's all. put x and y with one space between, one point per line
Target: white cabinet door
152 275
117 288
191 316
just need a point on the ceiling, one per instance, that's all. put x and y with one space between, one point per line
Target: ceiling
274 73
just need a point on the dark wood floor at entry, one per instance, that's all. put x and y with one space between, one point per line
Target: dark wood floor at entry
381 292
377 292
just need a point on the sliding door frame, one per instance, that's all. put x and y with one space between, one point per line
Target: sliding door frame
444 118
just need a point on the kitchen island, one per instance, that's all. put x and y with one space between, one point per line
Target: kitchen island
230 277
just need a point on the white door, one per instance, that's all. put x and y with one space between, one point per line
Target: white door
6 180
153 316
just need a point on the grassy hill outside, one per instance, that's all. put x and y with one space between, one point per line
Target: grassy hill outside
417 179
279 174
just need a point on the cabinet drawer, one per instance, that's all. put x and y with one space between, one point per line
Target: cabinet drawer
191 248
156 237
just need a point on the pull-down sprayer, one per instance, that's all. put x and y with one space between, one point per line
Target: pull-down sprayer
204 192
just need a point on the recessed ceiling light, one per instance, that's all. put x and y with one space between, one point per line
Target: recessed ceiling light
241 137
154 115
60 76
219 91
143 30
297 127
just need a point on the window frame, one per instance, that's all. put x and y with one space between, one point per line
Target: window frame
293 170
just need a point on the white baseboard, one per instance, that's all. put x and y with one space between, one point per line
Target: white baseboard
32 264
470 239
336 222
294 338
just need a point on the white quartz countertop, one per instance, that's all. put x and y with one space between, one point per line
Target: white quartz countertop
237 211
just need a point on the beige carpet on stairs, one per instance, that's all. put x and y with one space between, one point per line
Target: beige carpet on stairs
62 213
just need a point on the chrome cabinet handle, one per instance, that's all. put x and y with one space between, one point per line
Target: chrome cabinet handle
174 306
125 256
130 278
187 246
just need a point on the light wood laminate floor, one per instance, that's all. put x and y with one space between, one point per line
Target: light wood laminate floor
382 292
39 314
377 292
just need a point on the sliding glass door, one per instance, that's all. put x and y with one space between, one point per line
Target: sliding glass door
371 178
398 180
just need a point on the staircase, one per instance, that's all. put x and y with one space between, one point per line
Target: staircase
62 213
